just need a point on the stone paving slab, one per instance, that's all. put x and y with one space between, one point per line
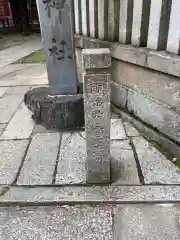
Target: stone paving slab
71 166
2 127
41 129
91 194
12 54
156 168
5 71
2 91
17 90
140 222
53 223
123 165
20 126
130 130
117 129
31 75
8 106
40 161
11 156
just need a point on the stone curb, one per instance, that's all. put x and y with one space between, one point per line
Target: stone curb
160 61
90 195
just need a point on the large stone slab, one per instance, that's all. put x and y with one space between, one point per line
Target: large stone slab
17 90
71 166
8 106
158 115
2 90
66 222
40 161
156 168
140 222
2 127
33 74
12 153
20 126
131 130
123 164
117 130
91 194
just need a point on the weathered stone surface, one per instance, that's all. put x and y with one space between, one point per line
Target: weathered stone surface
2 90
32 74
156 168
140 222
97 115
164 62
12 153
66 222
92 194
71 166
165 143
20 126
130 130
96 58
117 130
118 95
10 55
8 106
157 85
154 113
158 60
42 129
40 160
17 90
59 111
2 127
123 164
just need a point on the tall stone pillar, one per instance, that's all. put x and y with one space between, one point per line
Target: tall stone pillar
57 35
97 63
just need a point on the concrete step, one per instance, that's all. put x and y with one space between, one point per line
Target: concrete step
102 222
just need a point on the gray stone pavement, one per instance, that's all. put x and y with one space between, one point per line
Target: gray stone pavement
12 54
43 192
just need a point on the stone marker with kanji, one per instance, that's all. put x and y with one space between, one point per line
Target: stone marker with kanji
97 63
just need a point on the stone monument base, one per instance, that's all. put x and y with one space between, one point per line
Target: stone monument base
62 112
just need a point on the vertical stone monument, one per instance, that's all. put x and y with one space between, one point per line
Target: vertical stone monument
57 34
97 63
58 106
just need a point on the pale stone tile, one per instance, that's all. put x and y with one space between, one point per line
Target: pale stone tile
156 168
123 164
117 129
8 106
2 90
11 154
42 129
94 194
130 130
40 161
56 222
20 126
145 221
2 127
17 90
71 166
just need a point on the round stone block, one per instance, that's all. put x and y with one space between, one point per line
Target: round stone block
55 111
